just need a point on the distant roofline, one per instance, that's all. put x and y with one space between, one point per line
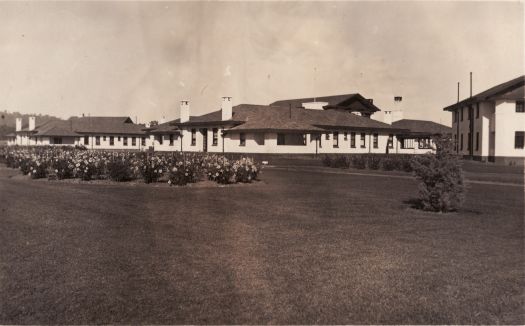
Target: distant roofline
487 94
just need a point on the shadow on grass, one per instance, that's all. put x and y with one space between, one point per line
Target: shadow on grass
417 203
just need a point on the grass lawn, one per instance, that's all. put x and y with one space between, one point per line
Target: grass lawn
298 247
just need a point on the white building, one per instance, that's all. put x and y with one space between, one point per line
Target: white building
490 126
330 124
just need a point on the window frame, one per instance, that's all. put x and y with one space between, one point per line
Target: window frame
363 140
242 139
133 141
352 139
86 140
390 144
518 105
193 137
336 139
215 137
281 139
111 140
375 140
519 136
97 140
142 141
172 141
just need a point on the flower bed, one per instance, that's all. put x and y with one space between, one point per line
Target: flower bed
175 168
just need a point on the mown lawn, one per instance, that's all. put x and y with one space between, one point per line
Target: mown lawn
298 247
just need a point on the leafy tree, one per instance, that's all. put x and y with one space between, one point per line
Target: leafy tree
442 187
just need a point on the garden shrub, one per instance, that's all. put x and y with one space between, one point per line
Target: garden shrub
359 161
342 162
442 187
327 161
373 162
119 169
183 174
390 163
245 170
63 168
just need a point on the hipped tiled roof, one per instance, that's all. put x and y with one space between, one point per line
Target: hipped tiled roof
422 127
510 90
249 117
75 126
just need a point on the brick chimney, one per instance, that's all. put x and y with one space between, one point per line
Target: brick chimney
226 108
184 111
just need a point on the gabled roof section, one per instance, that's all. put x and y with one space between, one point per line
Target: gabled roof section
350 102
510 90
106 125
422 127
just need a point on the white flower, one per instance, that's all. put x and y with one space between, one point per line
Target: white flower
56 171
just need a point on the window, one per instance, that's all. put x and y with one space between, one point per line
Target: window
215 137
390 141
461 114
97 140
161 140
376 141
469 141
171 140
336 139
327 136
118 138
111 140
352 139
133 141
143 141
280 140
477 110
477 141
519 139
461 142
193 137
519 107
86 140
125 141
242 139
345 135
320 138
424 143
104 138
363 140
57 140
408 143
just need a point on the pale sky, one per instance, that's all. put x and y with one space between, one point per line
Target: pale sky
142 58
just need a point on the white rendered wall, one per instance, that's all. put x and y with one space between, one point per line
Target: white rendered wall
507 122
